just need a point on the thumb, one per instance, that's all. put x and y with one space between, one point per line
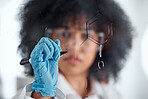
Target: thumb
57 41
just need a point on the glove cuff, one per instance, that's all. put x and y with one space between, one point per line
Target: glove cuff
44 90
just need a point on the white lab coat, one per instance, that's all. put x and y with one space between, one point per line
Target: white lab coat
65 91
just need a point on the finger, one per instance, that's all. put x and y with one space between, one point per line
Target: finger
57 50
49 44
40 69
38 55
57 41
40 52
54 69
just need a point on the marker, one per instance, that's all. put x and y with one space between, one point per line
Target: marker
26 60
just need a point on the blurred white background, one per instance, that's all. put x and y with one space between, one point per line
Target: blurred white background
133 82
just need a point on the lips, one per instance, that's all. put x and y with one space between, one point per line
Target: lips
73 60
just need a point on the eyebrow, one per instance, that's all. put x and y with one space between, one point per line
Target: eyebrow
64 26
83 29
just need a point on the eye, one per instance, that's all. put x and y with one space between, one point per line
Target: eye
64 34
84 36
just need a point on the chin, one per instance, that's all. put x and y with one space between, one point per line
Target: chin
72 71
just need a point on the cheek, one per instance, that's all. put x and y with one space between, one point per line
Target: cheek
89 47
90 55
89 59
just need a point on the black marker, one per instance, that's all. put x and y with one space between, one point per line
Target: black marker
26 60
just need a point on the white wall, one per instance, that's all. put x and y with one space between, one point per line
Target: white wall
133 83
9 59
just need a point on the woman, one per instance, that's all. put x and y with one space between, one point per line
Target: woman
60 25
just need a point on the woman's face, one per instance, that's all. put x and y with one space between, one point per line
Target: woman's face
81 51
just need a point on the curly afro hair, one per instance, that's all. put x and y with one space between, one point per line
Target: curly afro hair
37 15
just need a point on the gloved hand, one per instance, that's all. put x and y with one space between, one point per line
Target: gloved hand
44 61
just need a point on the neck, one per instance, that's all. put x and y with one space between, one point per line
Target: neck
78 83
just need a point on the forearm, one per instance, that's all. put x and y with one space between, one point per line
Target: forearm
39 96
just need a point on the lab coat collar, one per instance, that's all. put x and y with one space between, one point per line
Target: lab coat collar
65 87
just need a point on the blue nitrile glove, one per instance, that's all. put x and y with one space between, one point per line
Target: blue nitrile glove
44 61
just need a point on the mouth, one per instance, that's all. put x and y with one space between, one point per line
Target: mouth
73 60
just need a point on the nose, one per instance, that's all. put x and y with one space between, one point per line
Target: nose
75 42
